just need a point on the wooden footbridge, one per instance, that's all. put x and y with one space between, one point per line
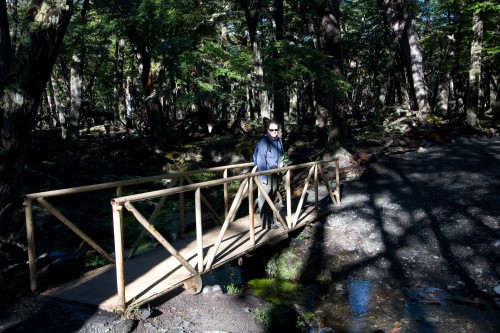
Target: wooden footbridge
138 278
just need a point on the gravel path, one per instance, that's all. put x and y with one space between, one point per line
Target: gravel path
425 225
430 215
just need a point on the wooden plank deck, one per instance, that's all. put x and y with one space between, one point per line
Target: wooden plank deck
155 272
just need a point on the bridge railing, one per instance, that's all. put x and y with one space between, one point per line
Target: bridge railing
246 188
180 183
175 179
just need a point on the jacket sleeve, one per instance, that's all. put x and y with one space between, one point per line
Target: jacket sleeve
259 158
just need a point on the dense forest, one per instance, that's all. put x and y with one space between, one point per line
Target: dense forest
205 67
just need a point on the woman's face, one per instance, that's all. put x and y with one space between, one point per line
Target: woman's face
273 130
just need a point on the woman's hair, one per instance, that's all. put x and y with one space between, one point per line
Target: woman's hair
272 121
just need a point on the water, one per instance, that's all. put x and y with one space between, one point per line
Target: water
352 305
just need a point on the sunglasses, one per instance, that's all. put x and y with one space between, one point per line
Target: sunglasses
273 130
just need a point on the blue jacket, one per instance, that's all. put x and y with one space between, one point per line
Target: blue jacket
267 154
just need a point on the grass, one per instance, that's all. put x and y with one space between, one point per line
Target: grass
232 289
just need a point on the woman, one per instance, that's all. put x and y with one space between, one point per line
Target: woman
267 156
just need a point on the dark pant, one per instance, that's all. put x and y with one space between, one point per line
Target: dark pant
266 213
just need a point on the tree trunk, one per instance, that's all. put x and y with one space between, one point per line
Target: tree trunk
76 80
444 86
474 71
279 92
333 100
20 93
156 119
400 29
76 83
258 102
416 66
495 104
119 90
59 104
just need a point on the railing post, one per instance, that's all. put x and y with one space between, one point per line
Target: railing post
181 209
30 233
226 196
120 275
199 230
288 185
251 211
337 181
316 194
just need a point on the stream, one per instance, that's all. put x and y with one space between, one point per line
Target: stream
354 305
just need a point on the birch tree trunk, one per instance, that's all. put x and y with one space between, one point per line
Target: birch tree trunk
22 83
474 71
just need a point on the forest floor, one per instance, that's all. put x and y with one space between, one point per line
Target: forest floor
419 219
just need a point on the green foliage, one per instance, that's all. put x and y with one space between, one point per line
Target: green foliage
285 265
232 289
262 316
95 261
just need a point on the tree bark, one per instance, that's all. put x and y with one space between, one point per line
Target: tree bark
474 71
21 87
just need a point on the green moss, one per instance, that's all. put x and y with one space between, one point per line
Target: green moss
285 265
276 291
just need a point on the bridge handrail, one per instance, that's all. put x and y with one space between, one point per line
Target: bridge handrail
135 181
208 183
40 197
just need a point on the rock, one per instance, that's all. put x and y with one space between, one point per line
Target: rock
496 289
145 314
212 289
